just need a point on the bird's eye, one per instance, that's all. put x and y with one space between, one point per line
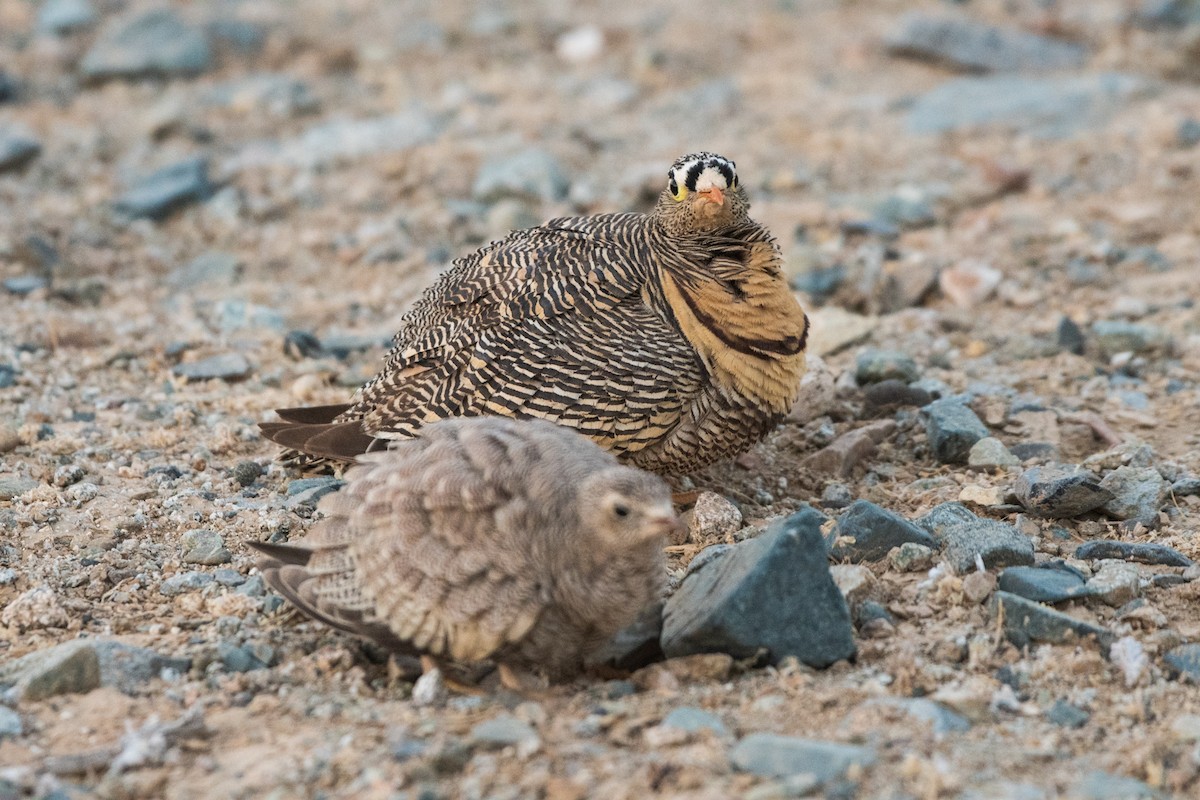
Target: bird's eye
677 191
621 510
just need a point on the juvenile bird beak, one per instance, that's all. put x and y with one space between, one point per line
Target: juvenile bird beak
665 524
715 195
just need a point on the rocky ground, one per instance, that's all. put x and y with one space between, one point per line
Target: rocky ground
210 210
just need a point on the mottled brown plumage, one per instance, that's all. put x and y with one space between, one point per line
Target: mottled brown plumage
484 538
670 338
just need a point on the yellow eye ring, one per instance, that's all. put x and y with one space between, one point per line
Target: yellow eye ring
682 193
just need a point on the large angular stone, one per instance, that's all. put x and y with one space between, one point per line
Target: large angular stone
772 592
1060 491
1026 621
952 429
875 531
70 668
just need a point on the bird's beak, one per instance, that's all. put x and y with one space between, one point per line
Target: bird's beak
665 524
714 195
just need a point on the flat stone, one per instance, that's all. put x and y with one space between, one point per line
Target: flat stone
161 192
17 147
842 455
997 543
1137 492
15 487
818 392
833 328
276 94
1186 487
923 710
694 720
990 452
185 582
1065 715
337 140
770 755
236 658
1143 552
307 492
530 174
976 47
1115 583
873 366
203 546
1107 786
1043 584
10 726
888 395
502 731
212 268
874 532
635 645
1060 491
1184 661
226 367
65 16
1026 621
952 429
156 43
1119 336
70 668
129 668
774 591
912 557
229 577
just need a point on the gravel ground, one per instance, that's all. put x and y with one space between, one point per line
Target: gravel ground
210 210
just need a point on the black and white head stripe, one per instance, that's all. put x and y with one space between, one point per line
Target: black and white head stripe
701 171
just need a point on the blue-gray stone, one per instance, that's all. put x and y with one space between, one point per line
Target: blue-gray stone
239 659
1070 336
65 16
1184 661
204 546
229 577
22 285
1119 336
226 367
873 366
1065 715
1145 552
922 709
875 532
158 194
254 586
185 582
774 591
530 174
952 429
129 668
1026 622
1188 134
156 43
212 268
242 36
997 543
770 755
10 727
502 731
890 394
976 47
336 140
1043 584
944 516
1186 487
1050 107
1060 491
15 487
1167 14
247 472
17 147
1107 786
308 491
694 720
69 668
1137 492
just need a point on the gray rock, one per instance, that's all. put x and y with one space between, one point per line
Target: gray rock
65 16
247 472
997 543
70 668
15 487
990 452
242 37
1026 621
952 429
1043 584
185 582
254 586
212 268
129 668
769 755
923 710
203 546
1188 133
873 366
226 367
1115 583
17 147
1144 552
67 474
1184 661
308 492
1186 487
875 531
10 725
886 396
502 731
1060 491
21 285
912 557
235 314
242 658
162 192
1167 14
330 142
1070 336
156 43
229 577
1053 107
1107 786
694 720
276 94
635 645
530 174
774 591
1065 715
1114 336
346 344
1137 493
975 47
944 516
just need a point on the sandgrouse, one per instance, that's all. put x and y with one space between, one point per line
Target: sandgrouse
670 339
518 542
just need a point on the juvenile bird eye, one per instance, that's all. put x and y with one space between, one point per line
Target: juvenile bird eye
621 510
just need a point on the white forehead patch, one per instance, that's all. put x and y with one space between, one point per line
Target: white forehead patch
710 178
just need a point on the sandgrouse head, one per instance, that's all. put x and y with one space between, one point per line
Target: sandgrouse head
625 508
702 194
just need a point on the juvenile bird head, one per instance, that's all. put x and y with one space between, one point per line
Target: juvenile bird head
702 194
625 507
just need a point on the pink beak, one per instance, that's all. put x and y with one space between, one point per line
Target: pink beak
715 195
